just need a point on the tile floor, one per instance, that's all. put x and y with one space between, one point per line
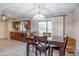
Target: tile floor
17 48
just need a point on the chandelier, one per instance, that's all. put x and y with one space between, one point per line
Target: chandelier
39 15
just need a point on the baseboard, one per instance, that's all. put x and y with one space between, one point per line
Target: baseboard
3 38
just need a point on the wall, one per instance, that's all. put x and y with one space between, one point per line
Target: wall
72 26
10 27
76 27
5 28
69 24
34 26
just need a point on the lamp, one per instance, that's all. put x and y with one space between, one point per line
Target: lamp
4 18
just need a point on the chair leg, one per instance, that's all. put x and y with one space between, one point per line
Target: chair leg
51 52
40 53
36 51
62 53
33 48
45 53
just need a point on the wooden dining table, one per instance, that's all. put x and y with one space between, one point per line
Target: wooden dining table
54 41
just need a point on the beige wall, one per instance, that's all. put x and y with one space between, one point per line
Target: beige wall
76 27
72 25
10 27
69 24
5 28
34 26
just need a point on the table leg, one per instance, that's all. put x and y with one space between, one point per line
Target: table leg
27 49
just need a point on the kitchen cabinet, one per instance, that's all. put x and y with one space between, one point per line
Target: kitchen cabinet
27 24
18 36
20 27
15 35
15 24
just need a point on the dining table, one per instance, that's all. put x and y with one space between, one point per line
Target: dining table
51 41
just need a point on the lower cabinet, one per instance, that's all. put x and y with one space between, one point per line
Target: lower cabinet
17 36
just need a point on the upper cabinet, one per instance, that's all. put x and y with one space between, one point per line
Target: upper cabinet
15 24
27 24
22 25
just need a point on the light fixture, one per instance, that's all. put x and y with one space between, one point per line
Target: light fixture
4 18
39 15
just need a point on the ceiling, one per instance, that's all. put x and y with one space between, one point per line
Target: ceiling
28 10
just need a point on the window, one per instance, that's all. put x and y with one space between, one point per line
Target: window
49 27
57 26
41 27
44 26
53 25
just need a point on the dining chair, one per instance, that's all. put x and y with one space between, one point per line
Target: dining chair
48 34
40 46
57 48
30 40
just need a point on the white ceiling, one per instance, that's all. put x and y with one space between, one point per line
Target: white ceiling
28 10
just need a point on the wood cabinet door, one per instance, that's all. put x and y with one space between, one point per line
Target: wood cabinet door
17 35
27 24
15 25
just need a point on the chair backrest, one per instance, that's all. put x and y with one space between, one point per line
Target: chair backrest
47 34
65 40
40 39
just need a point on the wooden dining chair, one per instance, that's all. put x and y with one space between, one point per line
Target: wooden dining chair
58 48
30 41
40 45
